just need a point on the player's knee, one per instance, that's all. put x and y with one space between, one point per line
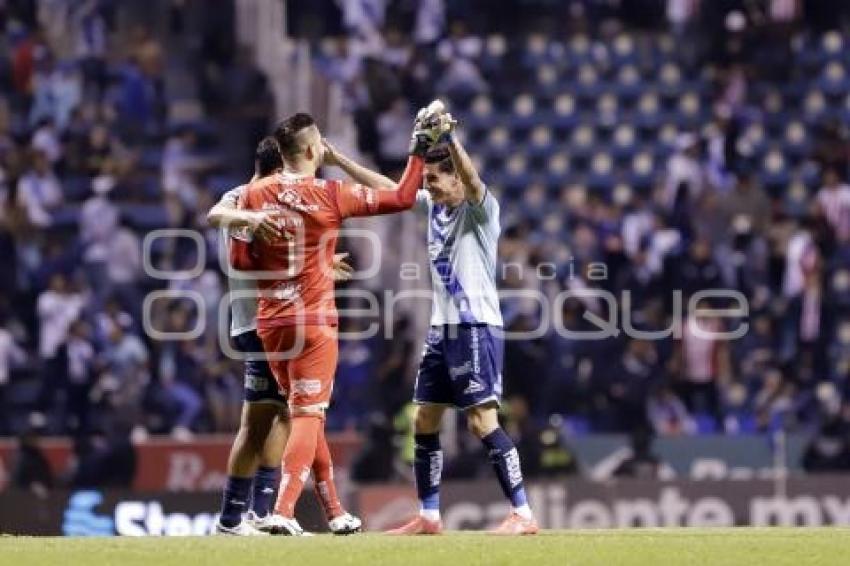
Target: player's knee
426 421
481 421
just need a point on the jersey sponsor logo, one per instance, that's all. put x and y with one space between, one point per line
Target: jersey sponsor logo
290 198
460 370
308 386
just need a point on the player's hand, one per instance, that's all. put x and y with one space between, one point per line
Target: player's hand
342 271
331 153
263 224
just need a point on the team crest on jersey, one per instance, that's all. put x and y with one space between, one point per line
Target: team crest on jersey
290 198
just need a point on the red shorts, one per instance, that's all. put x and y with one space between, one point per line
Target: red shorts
303 360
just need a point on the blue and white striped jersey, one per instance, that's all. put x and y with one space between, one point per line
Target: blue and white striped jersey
462 247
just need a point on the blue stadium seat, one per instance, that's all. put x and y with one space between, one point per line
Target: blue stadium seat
796 143
775 171
648 112
628 86
523 115
833 80
499 141
814 107
583 141
601 174
540 142
623 50
623 145
642 171
558 169
689 110
564 112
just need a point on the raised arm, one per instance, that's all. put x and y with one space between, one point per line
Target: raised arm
472 185
357 172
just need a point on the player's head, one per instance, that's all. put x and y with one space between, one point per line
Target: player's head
267 159
300 141
441 179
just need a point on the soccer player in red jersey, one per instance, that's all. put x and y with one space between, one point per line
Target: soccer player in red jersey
297 316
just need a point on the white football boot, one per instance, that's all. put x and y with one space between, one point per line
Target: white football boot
345 524
243 529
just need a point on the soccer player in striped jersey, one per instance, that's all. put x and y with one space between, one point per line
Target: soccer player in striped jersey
461 364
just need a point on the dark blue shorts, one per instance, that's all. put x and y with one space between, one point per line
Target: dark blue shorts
461 366
260 384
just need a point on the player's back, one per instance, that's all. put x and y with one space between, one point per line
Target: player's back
295 284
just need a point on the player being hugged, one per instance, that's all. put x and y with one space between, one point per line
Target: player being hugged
461 363
297 315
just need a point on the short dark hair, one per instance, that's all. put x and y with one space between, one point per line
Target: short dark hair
286 132
440 154
267 157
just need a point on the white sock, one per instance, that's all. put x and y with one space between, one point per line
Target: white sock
523 511
431 514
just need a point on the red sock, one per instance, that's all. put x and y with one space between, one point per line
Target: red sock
323 475
297 457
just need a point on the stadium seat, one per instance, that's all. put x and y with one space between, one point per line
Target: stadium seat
499 141
643 170
796 142
582 141
623 146
814 107
540 142
601 174
648 112
607 114
558 169
523 115
623 51
565 115
775 169
628 85
833 80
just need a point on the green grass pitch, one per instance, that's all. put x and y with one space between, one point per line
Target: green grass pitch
655 547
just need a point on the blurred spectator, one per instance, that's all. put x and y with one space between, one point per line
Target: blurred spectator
668 414
31 470
39 191
641 462
11 355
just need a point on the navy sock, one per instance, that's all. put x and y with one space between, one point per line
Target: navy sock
237 491
428 469
266 481
505 460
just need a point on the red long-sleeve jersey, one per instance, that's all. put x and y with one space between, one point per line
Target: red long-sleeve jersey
294 273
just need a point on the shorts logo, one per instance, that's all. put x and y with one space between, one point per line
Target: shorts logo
460 370
473 387
308 386
256 383
476 352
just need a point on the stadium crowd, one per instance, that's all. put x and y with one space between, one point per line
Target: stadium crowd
715 163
